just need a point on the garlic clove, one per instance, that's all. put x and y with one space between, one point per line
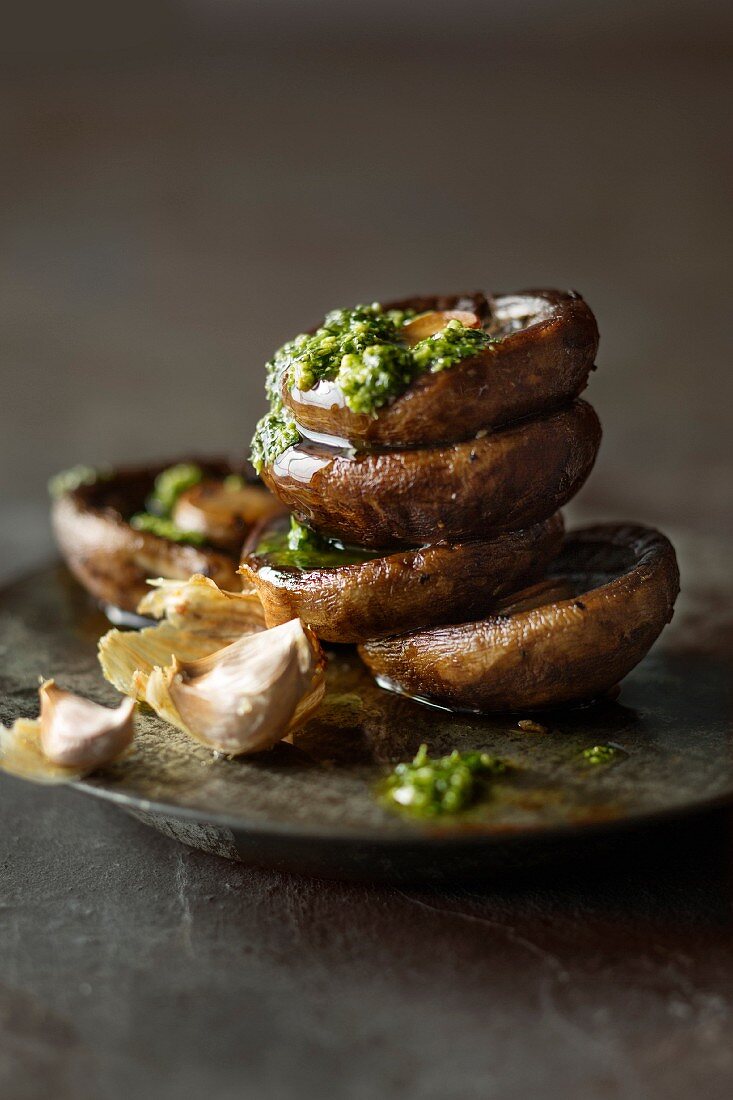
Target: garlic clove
212 670
21 754
427 324
77 733
198 618
247 696
71 737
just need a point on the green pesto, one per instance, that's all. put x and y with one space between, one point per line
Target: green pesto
364 351
275 432
170 484
430 787
165 528
446 348
601 754
301 537
298 547
68 480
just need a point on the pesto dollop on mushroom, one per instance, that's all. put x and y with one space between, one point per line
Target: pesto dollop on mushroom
372 354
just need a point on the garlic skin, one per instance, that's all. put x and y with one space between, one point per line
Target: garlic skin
247 696
77 733
199 605
198 618
212 670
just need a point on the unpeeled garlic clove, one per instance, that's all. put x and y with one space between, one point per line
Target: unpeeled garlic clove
198 619
247 696
77 733
427 324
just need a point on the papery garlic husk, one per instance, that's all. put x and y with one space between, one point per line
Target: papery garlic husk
199 605
71 737
247 696
198 618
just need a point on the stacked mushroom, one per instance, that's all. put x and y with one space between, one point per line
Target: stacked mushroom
442 506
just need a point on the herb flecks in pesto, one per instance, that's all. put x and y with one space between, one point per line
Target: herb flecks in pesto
364 351
275 432
445 348
430 787
601 754
300 537
369 379
165 528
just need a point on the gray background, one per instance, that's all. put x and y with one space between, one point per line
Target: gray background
187 185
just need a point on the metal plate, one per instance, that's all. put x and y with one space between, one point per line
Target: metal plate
312 805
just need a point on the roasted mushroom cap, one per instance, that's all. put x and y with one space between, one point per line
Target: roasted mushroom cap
111 559
549 340
622 583
508 479
442 583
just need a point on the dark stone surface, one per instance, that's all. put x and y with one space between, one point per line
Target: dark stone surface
131 965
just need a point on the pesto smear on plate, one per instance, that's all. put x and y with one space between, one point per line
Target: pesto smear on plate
365 352
430 787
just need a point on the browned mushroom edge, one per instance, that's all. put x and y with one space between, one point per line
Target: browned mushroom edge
624 582
439 583
110 558
549 340
507 479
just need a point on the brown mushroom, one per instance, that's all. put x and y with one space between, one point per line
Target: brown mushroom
472 490
408 590
548 344
110 558
572 645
